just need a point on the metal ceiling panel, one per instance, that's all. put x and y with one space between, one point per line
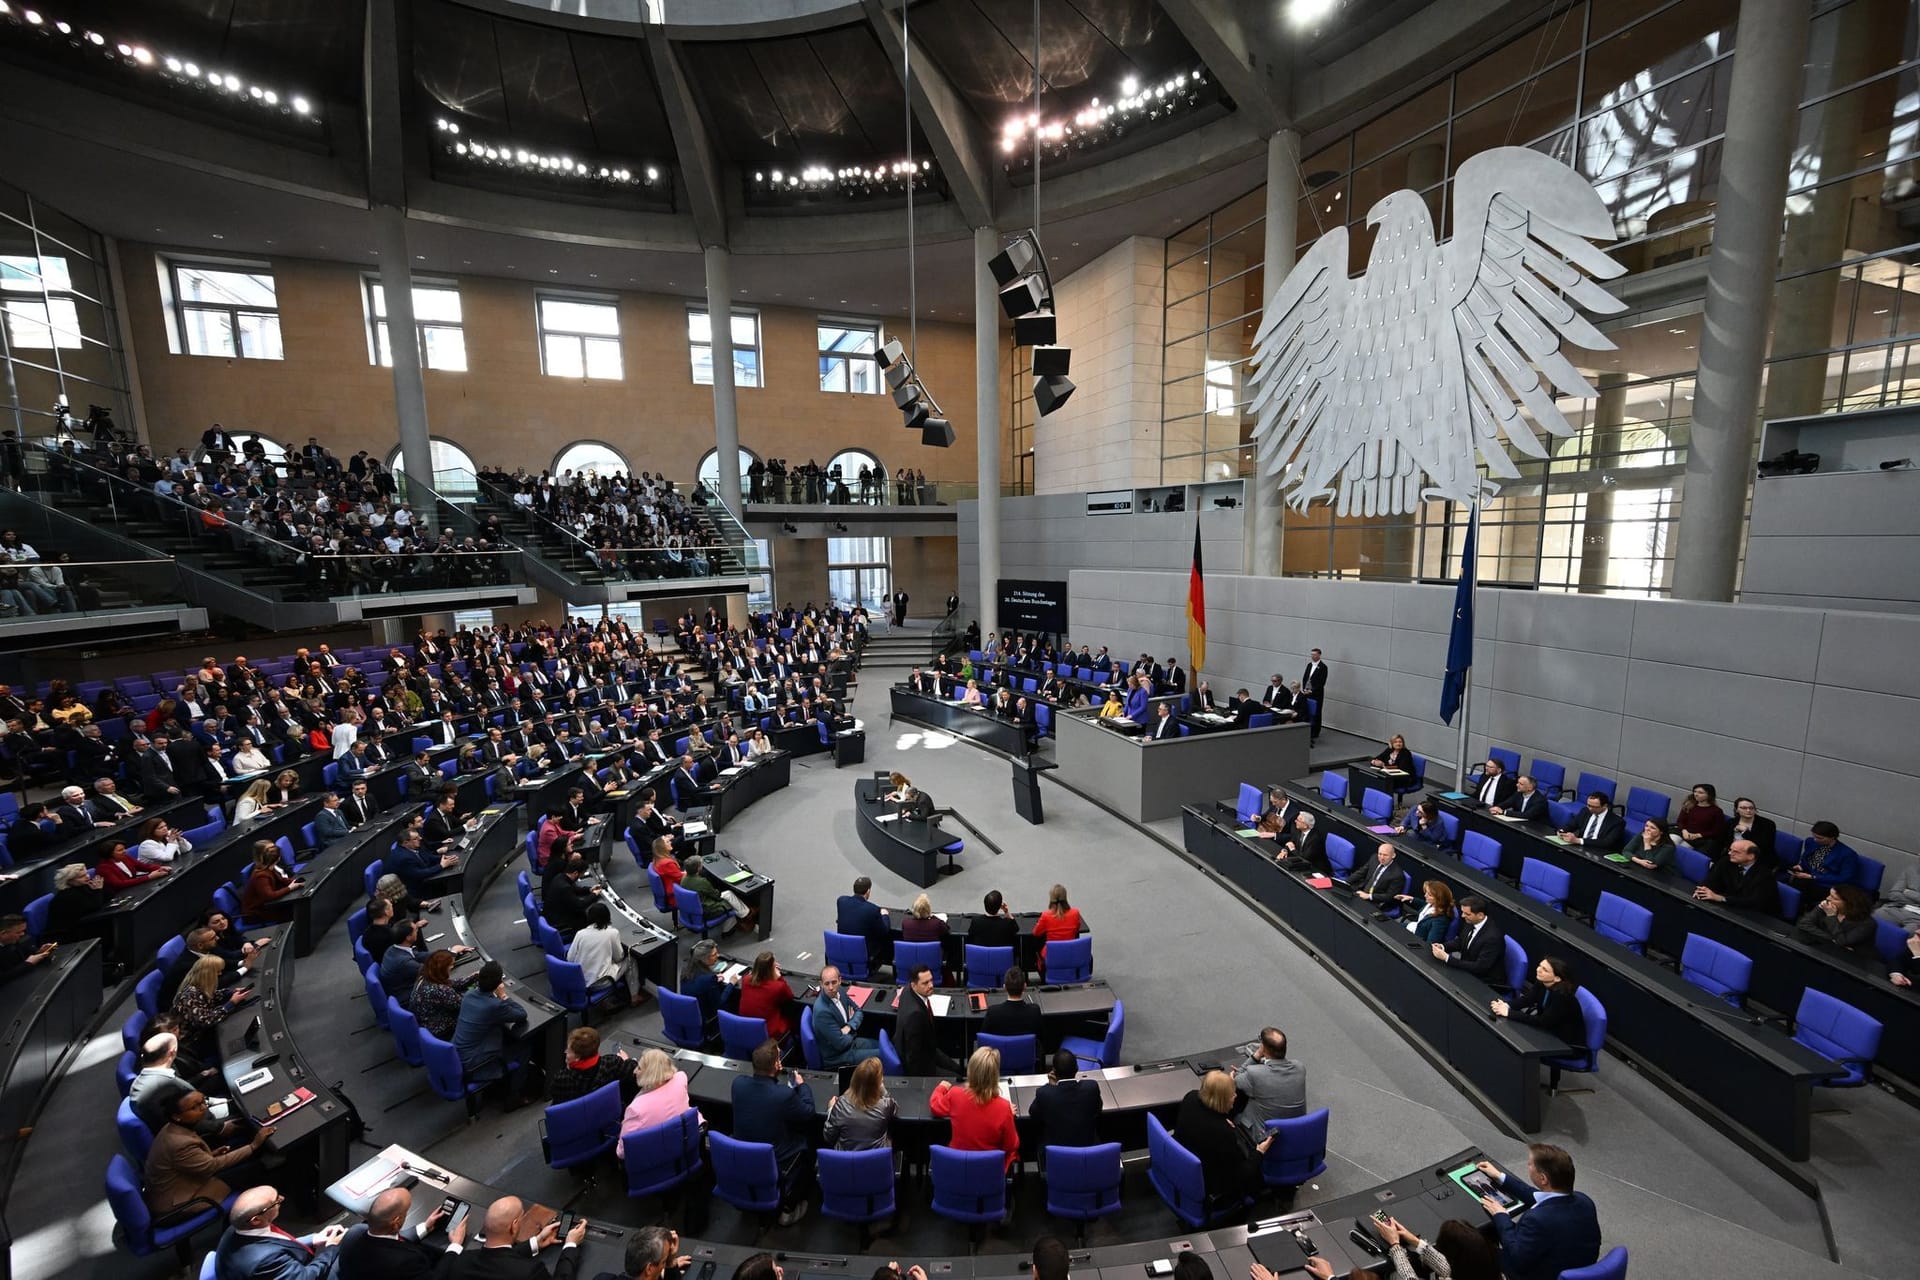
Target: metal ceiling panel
861 71
746 122
456 63
623 99
820 124
544 102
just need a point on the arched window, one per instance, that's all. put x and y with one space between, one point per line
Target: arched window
589 455
850 461
452 467
709 472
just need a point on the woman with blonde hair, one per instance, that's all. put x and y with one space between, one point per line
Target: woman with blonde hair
198 1006
982 1120
254 802
662 1096
859 1119
1229 1160
1060 922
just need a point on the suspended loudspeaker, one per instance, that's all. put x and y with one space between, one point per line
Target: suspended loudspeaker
1036 330
937 434
1050 362
1052 392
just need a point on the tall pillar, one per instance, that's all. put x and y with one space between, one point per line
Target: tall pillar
1769 52
726 421
1596 529
409 390
1265 513
986 393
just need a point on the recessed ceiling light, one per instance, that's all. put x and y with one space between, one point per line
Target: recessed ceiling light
419 257
218 236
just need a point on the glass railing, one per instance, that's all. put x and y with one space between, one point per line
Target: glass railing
567 549
53 564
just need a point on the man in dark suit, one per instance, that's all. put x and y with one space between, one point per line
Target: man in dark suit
1016 1015
1164 725
1307 843
155 768
1526 802
1738 880
1561 1229
1495 788
996 927
779 1112
1174 677
1380 879
1599 828
502 1259
1275 694
919 1044
854 913
357 806
1481 948
381 1248
1313 682
254 1248
1066 1109
443 825
686 782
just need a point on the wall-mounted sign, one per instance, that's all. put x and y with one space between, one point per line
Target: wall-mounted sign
1112 502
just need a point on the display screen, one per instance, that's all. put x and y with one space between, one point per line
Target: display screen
1029 604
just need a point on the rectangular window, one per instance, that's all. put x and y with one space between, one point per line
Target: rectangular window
858 571
579 337
226 310
45 320
746 347
436 321
846 357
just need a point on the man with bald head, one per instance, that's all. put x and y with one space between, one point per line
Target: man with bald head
254 1248
1380 879
501 1259
381 1249
1740 880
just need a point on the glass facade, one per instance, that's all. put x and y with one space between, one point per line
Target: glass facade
1633 95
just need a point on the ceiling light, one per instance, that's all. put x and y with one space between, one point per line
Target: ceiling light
142 56
301 106
95 38
1130 86
1304 13
33 18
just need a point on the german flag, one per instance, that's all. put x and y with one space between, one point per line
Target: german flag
1196 608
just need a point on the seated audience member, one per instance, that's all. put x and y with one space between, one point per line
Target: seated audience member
1550 1001
1458 1252
1526 802
921 925
1493 787
765 994
394 890
1823 860
1652 847
1436 912
860 1118
1900 897
855 913
253 1248
1394 756
200 1004
1747 823
251 758
1701 819
566 895
1843 919
1740 880
995 925
662 1095
382 924
120 869
1277 819
779 1112
716 899
1229 1160
435 1002
700 978
487 1014
1307 844
183 1172
414 863
253 801
400 966
20 955
836 1026
1908 971
1560 1229
603 955
500 1258
1016 1015
1424 825
385 1248
1599 827
158 1085
266 884
1112 708
982 1120
1480 948
1065 1111
1268 1085
160 842
1060 922
1381 880
203 940
586 1069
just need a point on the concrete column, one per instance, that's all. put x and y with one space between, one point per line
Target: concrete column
986 392
1596 530
409 390
726 420
1266 516
1770 51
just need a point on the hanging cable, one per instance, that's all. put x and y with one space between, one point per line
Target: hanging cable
906 95
1036 124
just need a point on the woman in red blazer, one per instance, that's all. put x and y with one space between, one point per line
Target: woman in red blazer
120 869
982 1120
765 994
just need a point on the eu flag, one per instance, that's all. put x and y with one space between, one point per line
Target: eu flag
1460 645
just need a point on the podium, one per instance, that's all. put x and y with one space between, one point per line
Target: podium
1026 787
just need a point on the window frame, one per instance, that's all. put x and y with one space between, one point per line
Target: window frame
35 290
759 342
581 337
179 308
371 287
848 358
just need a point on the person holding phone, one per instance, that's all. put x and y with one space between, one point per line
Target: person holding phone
503 1257
384 1246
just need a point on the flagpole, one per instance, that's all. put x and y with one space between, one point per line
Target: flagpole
1466 682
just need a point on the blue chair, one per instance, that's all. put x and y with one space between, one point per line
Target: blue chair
857 1187
547 938
906 955
682 1021
659 887
889 1056
1260 719
445 1074
809 1043
170 950
1890 941
1592 782
532 846
1562 814
1083 1183
371 876
1104 1052
197 836
986 967
1789 903
568 982
405 1030
1251 804
1627 923
1175 1173
229 902
847 952
1549 778
1333 787
1481 852
136 1223
1691 863
739 1036
135 1137
356 927
146 993
1340 855
1544 882
1716 967
1070 959
376 996
1018 1054
583 1130
1450 831
1871 872
1509 759
1515 965
1594 1014
1644 803
36 914
134 1031
1611 1267
1376 805
663 1156
1042 721
1786 848
950 852
1299 1151
1837 1030
745 1174
690 914
969 1186
125 1068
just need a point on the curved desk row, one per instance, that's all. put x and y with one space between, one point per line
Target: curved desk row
1783 965
976 724
960 929
45 1014
35 878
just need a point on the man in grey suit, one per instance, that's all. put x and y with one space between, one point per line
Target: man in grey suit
157 1085
1269 1085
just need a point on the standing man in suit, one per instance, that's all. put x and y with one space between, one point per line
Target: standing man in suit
1481 948
1314 682
919 1047
328 824
254 1248
501 1259
899 608
357 806
1526 802
1600 828
381 1248
156 772
1495 788
1561 1229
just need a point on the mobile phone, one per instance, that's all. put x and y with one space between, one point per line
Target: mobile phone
447 1207
1379 1216
1160 1267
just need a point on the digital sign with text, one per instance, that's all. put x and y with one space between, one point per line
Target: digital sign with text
1031 605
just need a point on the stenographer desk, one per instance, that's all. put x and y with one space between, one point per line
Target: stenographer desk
44 1016
1144 781
905 847
1783 965
960 930
732 792
1758 1080
1496 1060
974 723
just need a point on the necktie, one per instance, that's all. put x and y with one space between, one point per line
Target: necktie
1593 827
291 1239
1487 792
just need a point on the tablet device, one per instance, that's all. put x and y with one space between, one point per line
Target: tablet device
1477 1184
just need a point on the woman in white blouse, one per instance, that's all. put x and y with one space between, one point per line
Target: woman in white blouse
758 745
253 802
251 759
161 843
